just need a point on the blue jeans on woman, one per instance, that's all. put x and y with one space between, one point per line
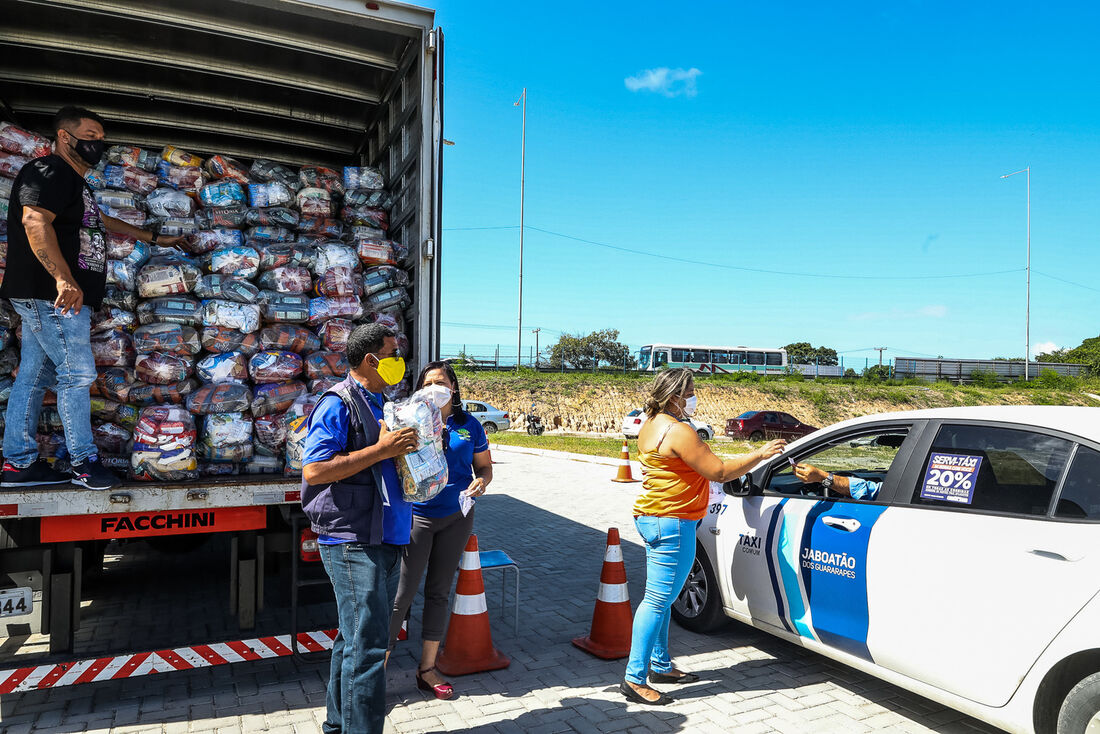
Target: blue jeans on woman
669 554
364 578
56 352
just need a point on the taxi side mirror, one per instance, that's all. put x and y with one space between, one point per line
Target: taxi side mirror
742 487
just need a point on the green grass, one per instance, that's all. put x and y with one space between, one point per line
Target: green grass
607 447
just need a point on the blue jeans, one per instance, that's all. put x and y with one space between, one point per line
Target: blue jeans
669 555
364 578
56 352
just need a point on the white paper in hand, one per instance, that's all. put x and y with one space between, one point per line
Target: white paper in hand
465 503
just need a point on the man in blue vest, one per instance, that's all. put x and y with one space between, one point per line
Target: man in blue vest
353 499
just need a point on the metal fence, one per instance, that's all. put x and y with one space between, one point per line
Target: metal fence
965 370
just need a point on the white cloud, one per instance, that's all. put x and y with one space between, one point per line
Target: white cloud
1043 347
666 81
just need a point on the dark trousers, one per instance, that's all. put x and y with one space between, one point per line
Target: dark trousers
364 578
437 545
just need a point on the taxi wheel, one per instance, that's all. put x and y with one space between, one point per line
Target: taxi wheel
1080 712
699 606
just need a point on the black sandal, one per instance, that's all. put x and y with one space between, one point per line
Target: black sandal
665 678
635 697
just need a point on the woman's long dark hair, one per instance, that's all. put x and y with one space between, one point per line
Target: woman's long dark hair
456 397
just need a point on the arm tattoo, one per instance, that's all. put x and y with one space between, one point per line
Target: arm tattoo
47 263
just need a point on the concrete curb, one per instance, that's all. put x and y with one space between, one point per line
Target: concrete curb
583 458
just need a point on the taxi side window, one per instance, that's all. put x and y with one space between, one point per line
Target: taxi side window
1080 497
866 456
989 468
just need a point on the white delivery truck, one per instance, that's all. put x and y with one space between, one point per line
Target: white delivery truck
324 82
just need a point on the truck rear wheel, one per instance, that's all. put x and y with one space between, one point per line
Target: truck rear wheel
1080 712
699 606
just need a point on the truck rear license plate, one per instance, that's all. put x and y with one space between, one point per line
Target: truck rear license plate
15 602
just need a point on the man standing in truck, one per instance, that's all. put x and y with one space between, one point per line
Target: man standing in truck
353 499
56 276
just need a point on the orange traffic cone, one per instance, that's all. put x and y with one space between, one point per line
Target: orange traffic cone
624 474
612 619
469 644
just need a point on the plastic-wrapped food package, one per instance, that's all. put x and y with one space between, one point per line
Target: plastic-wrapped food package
170 309
285 308
212 468
268 171
224 216
112 349
262 464
241 261
6 185
145 394
274 193
126 155
334 255
275 397
227 287
269 235
423 473
363 178
6 336
225 397
14 139
321 227
381 277
51 446
339 281
116 297
108 318
274 366
289 338
93 177
10 164
222 194
373 198
122 274
176 226
326 364
168 338
5 389
239 316
207 240
181 178
295 446
178 157
272 216
325 308
334 334
164 444
226 437
49 420
9 360
321 384
391 300
223 167
302 406
8 315
111 438
271 430
117 199
157 368
219 340
366 216
133 217
376 252
133 179
314 202
277 256
169 203
322 178
166 279
115 383
286 279
123 247
224 367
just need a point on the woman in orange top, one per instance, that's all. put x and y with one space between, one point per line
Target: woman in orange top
678 468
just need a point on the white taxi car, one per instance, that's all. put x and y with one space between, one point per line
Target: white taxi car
972 578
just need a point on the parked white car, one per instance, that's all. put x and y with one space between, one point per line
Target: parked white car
633 421
490 418
972 578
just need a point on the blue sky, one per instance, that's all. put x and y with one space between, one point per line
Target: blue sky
812 140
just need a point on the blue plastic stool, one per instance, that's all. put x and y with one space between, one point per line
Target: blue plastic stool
491 559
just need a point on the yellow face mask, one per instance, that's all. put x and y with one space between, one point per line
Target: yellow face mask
391 370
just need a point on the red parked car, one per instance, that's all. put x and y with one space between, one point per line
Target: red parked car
758 425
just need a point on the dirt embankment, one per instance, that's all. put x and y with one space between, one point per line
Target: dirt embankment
572 403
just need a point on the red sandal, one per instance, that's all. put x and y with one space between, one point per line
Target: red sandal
443 691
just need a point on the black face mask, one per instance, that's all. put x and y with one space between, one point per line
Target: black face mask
90 151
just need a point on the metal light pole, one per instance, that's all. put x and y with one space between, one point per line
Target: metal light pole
522 178
536 333
1027 311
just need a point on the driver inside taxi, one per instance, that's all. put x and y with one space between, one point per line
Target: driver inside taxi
854 487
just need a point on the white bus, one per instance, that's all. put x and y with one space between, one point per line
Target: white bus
712 360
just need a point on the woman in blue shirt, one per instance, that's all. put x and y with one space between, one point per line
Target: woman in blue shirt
440 529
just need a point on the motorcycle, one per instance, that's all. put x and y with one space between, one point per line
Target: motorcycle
534 423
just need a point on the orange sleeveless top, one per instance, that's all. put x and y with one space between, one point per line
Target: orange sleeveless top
671 488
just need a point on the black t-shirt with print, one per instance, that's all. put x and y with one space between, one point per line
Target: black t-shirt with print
52 184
